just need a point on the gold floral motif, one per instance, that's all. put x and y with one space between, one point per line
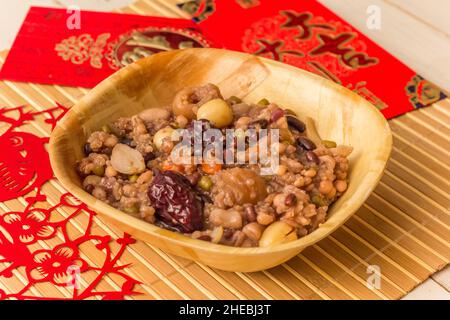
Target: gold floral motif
134 55
185 45
83 48
423 93
248 3
139 43
199 10
157 42
361 89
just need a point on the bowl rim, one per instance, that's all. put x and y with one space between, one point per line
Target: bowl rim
178 238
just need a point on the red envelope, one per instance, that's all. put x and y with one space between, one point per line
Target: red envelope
308 35
47 51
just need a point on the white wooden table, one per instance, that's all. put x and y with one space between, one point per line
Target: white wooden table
415 31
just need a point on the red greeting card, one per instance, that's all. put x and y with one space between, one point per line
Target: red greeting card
305 34
51 49
302 33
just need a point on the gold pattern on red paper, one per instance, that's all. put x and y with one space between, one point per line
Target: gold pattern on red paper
361 89
128 47
83 48
137 44
423 93
302 21
347 55
248 3
308 41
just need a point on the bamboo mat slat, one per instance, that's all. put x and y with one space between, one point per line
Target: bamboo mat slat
403 227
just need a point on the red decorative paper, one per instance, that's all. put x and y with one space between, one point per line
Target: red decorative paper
308 35
47 51
24 169
24 163
198 9
302 33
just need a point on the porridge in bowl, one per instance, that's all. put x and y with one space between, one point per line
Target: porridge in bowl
198 167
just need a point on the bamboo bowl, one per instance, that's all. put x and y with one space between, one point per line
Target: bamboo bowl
339 115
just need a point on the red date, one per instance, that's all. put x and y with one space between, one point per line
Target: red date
175 201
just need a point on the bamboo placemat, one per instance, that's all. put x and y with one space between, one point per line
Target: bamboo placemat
403 228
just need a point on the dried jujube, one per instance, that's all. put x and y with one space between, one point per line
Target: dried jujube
175 201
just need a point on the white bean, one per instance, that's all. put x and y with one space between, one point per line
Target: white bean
216 111
253 230
162 134
277 233
127 160
226 218
153 114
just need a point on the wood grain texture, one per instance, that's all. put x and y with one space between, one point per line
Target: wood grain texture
404 35
12 13
433 13
413 223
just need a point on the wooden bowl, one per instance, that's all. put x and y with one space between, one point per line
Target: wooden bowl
339 115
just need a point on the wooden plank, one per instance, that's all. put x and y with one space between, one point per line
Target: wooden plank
402 35
443 278
432 12
429 290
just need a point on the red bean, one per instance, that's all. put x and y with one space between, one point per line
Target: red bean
276 114
89 188
227 233
295 123
312 157
204 238
87 149
290 200
306 144
250 213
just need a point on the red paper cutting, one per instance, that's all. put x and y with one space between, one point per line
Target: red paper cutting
61 265
24 169
24 163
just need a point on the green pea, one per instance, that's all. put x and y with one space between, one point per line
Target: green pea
106 128
174 125
263 102
133 178
318 201
234 100
205 183
131 210
329 143
290 112
99 171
